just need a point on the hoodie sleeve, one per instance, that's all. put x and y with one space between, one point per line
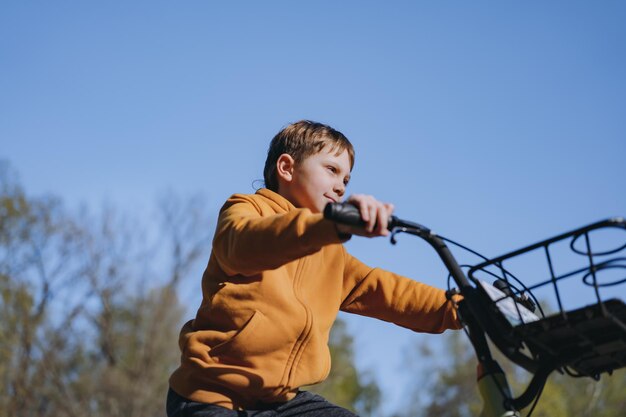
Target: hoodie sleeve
381 294
248 241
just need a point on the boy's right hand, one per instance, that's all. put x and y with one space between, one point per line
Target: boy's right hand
374 213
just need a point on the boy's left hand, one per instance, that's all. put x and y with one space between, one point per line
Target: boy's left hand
374 213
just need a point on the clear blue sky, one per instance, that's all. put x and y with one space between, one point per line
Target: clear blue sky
496 123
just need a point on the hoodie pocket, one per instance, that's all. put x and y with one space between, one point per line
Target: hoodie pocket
238 349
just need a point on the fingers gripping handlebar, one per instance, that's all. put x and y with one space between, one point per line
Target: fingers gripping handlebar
526 340
349 214
471 309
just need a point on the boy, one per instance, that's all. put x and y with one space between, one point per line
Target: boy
277 276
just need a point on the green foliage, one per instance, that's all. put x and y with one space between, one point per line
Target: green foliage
451 390
446 384
345 385
90 320
567 396
83 332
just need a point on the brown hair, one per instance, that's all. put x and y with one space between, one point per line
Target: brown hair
301 140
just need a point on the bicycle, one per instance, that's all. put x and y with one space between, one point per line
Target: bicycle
585 341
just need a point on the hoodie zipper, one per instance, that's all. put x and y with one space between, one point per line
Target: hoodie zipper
300 345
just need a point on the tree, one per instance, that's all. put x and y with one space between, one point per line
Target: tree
36 243
91 313
345 385
89 321
450 388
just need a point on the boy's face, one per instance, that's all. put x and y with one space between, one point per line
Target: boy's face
318 180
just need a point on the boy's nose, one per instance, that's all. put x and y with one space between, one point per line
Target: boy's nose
340 189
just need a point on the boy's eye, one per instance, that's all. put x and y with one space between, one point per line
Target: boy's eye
332 169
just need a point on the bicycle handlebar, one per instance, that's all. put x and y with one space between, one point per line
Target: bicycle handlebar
349 214
483 314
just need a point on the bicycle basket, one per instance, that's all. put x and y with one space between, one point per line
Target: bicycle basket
575 283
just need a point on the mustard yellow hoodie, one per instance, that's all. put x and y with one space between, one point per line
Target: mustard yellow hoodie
276 279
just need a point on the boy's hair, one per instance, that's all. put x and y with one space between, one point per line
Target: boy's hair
301 140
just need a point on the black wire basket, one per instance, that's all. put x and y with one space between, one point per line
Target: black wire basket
568 313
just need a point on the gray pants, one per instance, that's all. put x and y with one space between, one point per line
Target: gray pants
305 404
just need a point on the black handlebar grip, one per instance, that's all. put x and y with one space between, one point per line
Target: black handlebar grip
349 214
343 213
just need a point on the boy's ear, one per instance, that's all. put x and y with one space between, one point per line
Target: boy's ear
285 166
